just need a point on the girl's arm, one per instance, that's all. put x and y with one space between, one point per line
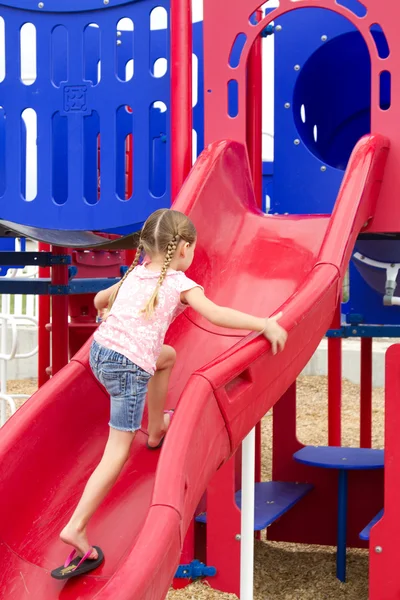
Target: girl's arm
228 317
102 298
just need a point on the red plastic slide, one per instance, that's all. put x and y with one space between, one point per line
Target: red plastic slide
223 384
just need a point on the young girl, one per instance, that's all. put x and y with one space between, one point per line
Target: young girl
129 358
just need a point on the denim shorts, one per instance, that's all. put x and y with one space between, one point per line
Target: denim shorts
125 382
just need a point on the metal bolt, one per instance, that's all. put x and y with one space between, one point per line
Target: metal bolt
41 5
344 458
324 38
278 28
354 331
287 104
270 502
323 168
392 265
297 67
362 257
238 537
119 33
378 549
119 42
106 2
296 142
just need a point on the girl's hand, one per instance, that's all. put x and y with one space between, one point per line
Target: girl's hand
275 334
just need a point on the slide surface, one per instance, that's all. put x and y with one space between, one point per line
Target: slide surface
223 384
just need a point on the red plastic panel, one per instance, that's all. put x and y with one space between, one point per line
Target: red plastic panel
384 545
220 33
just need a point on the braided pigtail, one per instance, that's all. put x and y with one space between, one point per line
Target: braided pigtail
133 265
152 303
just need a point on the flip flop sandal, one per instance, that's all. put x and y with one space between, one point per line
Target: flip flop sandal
159 445
75 565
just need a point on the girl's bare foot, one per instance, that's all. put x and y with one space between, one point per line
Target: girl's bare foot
153 443
78 539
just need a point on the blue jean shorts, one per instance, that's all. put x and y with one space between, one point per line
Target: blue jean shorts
125 382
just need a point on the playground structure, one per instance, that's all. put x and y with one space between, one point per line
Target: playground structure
107 157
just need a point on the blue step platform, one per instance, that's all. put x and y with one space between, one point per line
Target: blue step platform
343 460
272 500
364 535
333 457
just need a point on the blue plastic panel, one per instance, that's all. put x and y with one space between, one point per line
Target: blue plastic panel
333 457
367 303
267 185
322 107
367 284
198 109
76 110
309 74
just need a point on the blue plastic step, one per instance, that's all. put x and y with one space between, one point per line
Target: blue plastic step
272 500
364 535
334 457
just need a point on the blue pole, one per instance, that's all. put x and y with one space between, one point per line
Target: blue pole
342 527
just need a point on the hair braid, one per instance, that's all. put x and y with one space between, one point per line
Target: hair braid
133 265
169 255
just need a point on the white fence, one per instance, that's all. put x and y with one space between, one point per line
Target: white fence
16 312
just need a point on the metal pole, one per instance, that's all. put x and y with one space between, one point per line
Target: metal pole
247 518
59 317
342 527
335 384
181 93
366 393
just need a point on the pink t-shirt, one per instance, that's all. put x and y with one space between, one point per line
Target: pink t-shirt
128 331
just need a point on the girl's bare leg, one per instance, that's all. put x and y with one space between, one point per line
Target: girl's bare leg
116 454
157 395
99 484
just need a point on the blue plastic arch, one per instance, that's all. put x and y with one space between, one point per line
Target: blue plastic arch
66 6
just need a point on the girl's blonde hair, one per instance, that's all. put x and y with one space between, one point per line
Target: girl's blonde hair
161 234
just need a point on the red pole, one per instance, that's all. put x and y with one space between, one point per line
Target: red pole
254 148
335 384
254 114
366 393
59 320
181 93
181 136
43 320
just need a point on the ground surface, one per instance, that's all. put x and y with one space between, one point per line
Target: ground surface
289 571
